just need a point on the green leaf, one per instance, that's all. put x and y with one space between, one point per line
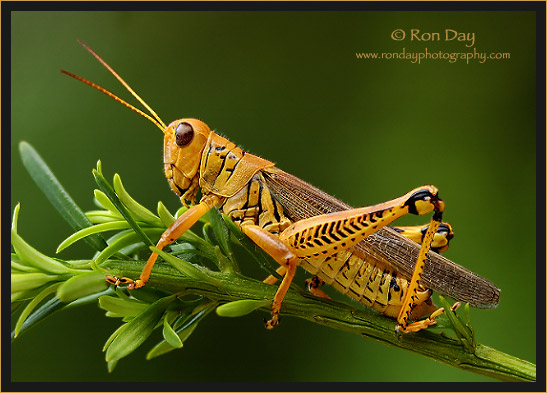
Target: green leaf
35 258
104 202
133 206
32 305
187 330
88 299
138 330
184 326
102 216
222 234
25 295
15 217
111 365
184 267
123 307
113 336
19 267
241 307
170 335
164 347
264 260
57 195
25 281
111 194
81 285
124 240
148 294
110 226
166 217
463 333
42 312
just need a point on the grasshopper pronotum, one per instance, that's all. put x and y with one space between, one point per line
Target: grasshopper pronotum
299 225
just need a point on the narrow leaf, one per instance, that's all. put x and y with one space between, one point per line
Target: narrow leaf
42 312
126 308
460 330
170 335
164 347
125 240
104 202
189 324
32 305
264 260
25 295
241 307
102 216
35 258
138 330
15 217
19 267
111 365
113 336
81 285
25 281
222 234
111 194
132 205
166 217
184 267
110 226
57 195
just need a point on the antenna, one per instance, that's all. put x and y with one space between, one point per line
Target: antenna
156 119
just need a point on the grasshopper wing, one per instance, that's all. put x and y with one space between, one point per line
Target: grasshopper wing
301 200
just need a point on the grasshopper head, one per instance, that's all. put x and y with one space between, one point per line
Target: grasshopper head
184 142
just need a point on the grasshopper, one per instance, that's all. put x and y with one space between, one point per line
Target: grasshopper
393 270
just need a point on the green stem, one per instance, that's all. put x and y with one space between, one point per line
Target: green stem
230 287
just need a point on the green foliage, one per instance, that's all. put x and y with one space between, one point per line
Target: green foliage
183 289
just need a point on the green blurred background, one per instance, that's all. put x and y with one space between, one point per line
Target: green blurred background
286 86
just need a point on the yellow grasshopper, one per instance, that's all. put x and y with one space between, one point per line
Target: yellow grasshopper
299 225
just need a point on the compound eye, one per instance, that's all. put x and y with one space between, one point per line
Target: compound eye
184 134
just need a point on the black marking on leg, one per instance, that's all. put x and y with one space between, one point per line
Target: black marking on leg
424 231
326 239
346 228
335 237
316 233
324 229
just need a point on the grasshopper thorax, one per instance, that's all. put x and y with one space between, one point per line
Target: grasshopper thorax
184 142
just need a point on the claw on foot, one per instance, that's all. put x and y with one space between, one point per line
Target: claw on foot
423 324
272 322
125 281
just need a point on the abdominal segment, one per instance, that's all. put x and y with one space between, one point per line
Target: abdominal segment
368 281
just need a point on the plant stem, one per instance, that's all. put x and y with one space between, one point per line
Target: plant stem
365 322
